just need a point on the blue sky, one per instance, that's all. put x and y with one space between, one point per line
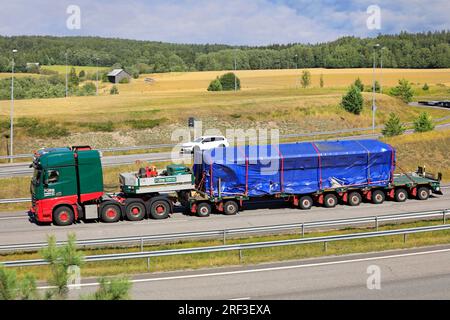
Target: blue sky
245 22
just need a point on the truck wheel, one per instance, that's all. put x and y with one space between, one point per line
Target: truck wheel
400 195
378 197
160 209
305 203
423 193
110 213
230 208
354 199
63 216
330 201
135 211
203 209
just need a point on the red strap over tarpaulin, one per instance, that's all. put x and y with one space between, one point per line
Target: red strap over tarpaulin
320 164
282 168
368 161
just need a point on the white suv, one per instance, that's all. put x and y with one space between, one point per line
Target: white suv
205 143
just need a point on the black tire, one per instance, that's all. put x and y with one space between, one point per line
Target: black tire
330 200
401 195
423 193
135 211
203 209
354 199
63 216
160 209
305 203
110 213
378 197
230 208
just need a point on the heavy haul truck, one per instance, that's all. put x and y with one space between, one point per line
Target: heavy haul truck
67 184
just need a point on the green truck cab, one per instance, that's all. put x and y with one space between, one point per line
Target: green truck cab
67 186
63 179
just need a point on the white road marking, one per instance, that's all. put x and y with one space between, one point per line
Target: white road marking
226 273
244 298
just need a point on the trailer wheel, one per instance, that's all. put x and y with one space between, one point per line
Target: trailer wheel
63 216
378 197
160 209
135 211
110 213
354 199
305 203
230 208
330 201
400 195
203 209
423 193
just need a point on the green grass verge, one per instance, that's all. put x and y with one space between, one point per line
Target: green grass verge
254 256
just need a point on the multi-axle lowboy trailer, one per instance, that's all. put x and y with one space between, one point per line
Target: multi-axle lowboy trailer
67 185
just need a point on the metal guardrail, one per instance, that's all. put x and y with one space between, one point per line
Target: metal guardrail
236 247
140 240
16 200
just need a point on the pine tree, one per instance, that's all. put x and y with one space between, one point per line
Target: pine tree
305 79
74 81
215 85
423 123
404 91
353 100
425 87
358 83
322 83
393 127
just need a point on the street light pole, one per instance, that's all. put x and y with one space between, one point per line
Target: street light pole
381 69
235 67
96 82
67 80
11 134
296 61
374 107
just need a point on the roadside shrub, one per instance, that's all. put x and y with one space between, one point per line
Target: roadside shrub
425 87
358 83
89 89
403 91
112 289
145 123
228 82
99 126
423 123
114 90
35 128
393 126
353 100
215 85
305 80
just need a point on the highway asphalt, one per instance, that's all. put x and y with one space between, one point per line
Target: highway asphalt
15 227
422 273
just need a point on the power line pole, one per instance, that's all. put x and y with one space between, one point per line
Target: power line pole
96 82
11 134
374 107
67 80
235 67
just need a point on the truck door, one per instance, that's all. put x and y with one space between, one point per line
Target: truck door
60 182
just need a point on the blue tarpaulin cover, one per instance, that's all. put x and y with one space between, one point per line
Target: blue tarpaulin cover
295 168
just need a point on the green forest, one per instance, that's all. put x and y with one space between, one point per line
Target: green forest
404 50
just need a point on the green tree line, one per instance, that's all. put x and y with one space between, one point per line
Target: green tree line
404 50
